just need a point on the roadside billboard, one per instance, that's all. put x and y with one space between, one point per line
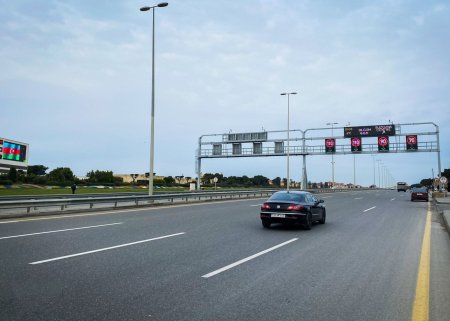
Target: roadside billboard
13 154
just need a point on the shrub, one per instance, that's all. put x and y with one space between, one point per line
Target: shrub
6 182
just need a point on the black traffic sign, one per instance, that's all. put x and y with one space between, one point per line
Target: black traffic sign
383 143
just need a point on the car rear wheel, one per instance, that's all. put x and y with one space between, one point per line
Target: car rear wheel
324 217
266 224
308 222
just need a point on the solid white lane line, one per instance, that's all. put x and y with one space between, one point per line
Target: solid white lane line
369 209
247 259
104 249
358 198
57 231
256 205
393 199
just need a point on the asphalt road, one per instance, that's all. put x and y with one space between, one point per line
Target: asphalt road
214 261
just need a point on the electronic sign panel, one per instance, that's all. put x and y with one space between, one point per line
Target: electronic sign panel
330 145
383 143
369 131
411 142
246 137
12 151
356 144
217 149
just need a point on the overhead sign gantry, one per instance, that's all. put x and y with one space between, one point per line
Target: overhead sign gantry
391 138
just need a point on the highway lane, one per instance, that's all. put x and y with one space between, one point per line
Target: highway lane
361 265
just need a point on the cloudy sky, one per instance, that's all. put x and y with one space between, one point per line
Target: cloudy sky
75 80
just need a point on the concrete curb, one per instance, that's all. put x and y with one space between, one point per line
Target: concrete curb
445 214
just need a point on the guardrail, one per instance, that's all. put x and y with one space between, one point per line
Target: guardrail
137 200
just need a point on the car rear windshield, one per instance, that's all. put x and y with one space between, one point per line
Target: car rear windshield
293 197
420 190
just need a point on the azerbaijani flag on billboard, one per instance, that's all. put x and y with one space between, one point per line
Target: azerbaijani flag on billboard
12 151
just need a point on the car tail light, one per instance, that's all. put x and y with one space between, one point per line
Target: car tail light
265 206
294 207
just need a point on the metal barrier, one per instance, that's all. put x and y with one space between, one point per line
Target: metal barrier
142 200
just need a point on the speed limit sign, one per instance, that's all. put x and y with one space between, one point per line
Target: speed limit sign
356 144
383 143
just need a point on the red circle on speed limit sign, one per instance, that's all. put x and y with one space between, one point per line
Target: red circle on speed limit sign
411 140
356 142
383 141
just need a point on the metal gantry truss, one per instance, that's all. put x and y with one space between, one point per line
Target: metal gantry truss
304 143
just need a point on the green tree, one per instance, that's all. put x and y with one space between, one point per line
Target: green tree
37 170
42 180
21 176
169 180
446 173
61 175
207 179
12 175
102 177
260 180
118 180
276 181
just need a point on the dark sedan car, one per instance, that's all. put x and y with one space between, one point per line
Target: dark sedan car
420 194
293 207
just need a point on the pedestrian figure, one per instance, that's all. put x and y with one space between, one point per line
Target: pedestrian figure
74 187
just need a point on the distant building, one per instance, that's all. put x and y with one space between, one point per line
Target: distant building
129 178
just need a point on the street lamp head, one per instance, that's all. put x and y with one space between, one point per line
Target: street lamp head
293 93
283 94
159 5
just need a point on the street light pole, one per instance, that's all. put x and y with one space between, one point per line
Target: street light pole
288 183
373 158
152 122
354 165
379 179
332 155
